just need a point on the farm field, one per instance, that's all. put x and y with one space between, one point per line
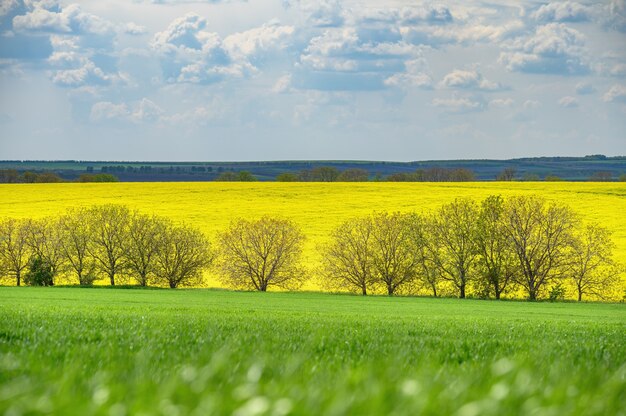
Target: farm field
316 207
119 351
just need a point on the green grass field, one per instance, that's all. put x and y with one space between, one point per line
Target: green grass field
121 351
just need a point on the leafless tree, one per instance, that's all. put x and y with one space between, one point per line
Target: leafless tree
591 264
141 245
182 255
76 240
348 258
394 262
497 262
541 234
43 236
454 251
353 175
109 228
263 253
14 250
421 229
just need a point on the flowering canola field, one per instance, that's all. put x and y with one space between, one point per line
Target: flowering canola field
316 207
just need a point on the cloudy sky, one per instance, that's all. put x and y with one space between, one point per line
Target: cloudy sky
301 79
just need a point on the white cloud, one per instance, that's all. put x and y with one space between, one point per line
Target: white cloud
583 88
134 29
568 102
501 103
471 79
617 93
459 104
139 112
283 84
563 11
552 48
70 19
251 42
106 111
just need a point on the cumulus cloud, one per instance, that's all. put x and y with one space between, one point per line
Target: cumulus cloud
564 11
283 84
190 53
70 19
617 93
568 102
614 15
471 79
552 48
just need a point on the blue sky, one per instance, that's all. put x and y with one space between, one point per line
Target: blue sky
298 79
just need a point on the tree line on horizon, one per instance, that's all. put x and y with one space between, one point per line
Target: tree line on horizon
522 244
317 174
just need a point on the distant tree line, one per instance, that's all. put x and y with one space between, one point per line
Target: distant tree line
520 246
13 176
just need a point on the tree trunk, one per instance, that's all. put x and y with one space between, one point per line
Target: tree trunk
580 295
112 278
173 284
462 291
19 278
532 295
364 290
434 287
390 290
497 290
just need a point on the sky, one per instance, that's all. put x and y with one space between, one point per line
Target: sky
238 80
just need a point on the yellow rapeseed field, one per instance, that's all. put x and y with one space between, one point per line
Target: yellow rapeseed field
316 207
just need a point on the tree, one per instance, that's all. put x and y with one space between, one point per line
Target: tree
245 176
496 261
591 265
43 236
109 227
553 178
76 240
263 253
14 250
145 233
182 255
348 258
324 174
421 229
40 272
461 175
287 177
228 177
353 175
394 261
454 250
507 174
541 235
602 176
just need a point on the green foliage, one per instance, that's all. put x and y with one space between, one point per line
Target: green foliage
87 351
553 178
287 177
99 177
39 273
557 292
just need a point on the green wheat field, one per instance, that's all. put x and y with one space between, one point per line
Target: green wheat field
74 351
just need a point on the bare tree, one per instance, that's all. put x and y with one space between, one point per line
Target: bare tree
353 175
141 245
14 250
454 250
394 261
76 240
43 236
348 258
497 262
109 227
260 254
421 229
591 265
182 255
541 234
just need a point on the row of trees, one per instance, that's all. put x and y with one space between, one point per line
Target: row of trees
107 241
495 247
519 245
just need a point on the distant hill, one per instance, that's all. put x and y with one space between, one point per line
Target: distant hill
599 167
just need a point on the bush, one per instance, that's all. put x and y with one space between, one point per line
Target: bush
39 273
